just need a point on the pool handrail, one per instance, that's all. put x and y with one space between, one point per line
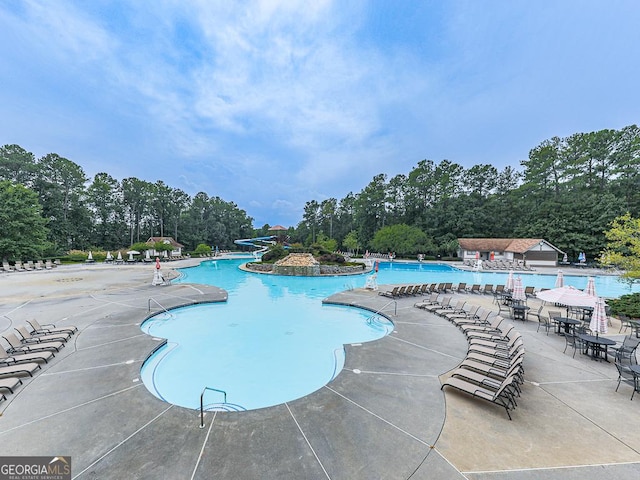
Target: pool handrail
395 307
202 402
157 303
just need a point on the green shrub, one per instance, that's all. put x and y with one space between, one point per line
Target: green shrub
331 258
628 305
202 249
274 254
75 256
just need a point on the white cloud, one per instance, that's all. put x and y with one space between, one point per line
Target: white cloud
256 101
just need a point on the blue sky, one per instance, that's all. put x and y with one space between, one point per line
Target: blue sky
270 104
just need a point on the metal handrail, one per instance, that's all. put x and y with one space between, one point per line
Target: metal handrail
202 402
395 308
157 303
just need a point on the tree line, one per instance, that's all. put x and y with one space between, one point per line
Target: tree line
567 191
49 206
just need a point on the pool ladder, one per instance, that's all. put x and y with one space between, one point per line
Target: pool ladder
202 402
224 406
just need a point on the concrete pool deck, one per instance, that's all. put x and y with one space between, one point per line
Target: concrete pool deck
383 417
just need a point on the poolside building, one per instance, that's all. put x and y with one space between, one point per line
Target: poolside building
532 251
176 251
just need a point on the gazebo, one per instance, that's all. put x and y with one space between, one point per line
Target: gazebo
278 228
279 233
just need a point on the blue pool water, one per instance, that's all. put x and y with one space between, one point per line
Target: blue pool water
274 341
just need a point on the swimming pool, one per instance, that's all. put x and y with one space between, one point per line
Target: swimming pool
274 341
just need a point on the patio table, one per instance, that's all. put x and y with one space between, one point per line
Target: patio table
569 323
599 345
519 311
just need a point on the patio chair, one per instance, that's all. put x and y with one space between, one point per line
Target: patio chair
16 346
537 313
626 352
433 300
480 377
49 327
624 323
488 289
459 307
503 396
402 291
493 361
492 327
20 357
626 375
390 293
498 339
10 383
498 293
443 305
481 323
411 289
475 288
460 288
462 317
23 368
571 340
448 309
529 291
496 371
546 322
497 349
27 337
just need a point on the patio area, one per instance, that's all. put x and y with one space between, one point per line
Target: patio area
383 417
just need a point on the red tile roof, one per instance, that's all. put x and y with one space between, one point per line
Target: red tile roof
515 245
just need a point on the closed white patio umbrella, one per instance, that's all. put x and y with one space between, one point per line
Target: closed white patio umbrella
599 318
509 285
591 287
518 290
559 280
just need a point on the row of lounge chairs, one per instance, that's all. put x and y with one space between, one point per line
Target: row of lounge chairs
500 265
420 289
27 266
28 350
493 367
428 288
